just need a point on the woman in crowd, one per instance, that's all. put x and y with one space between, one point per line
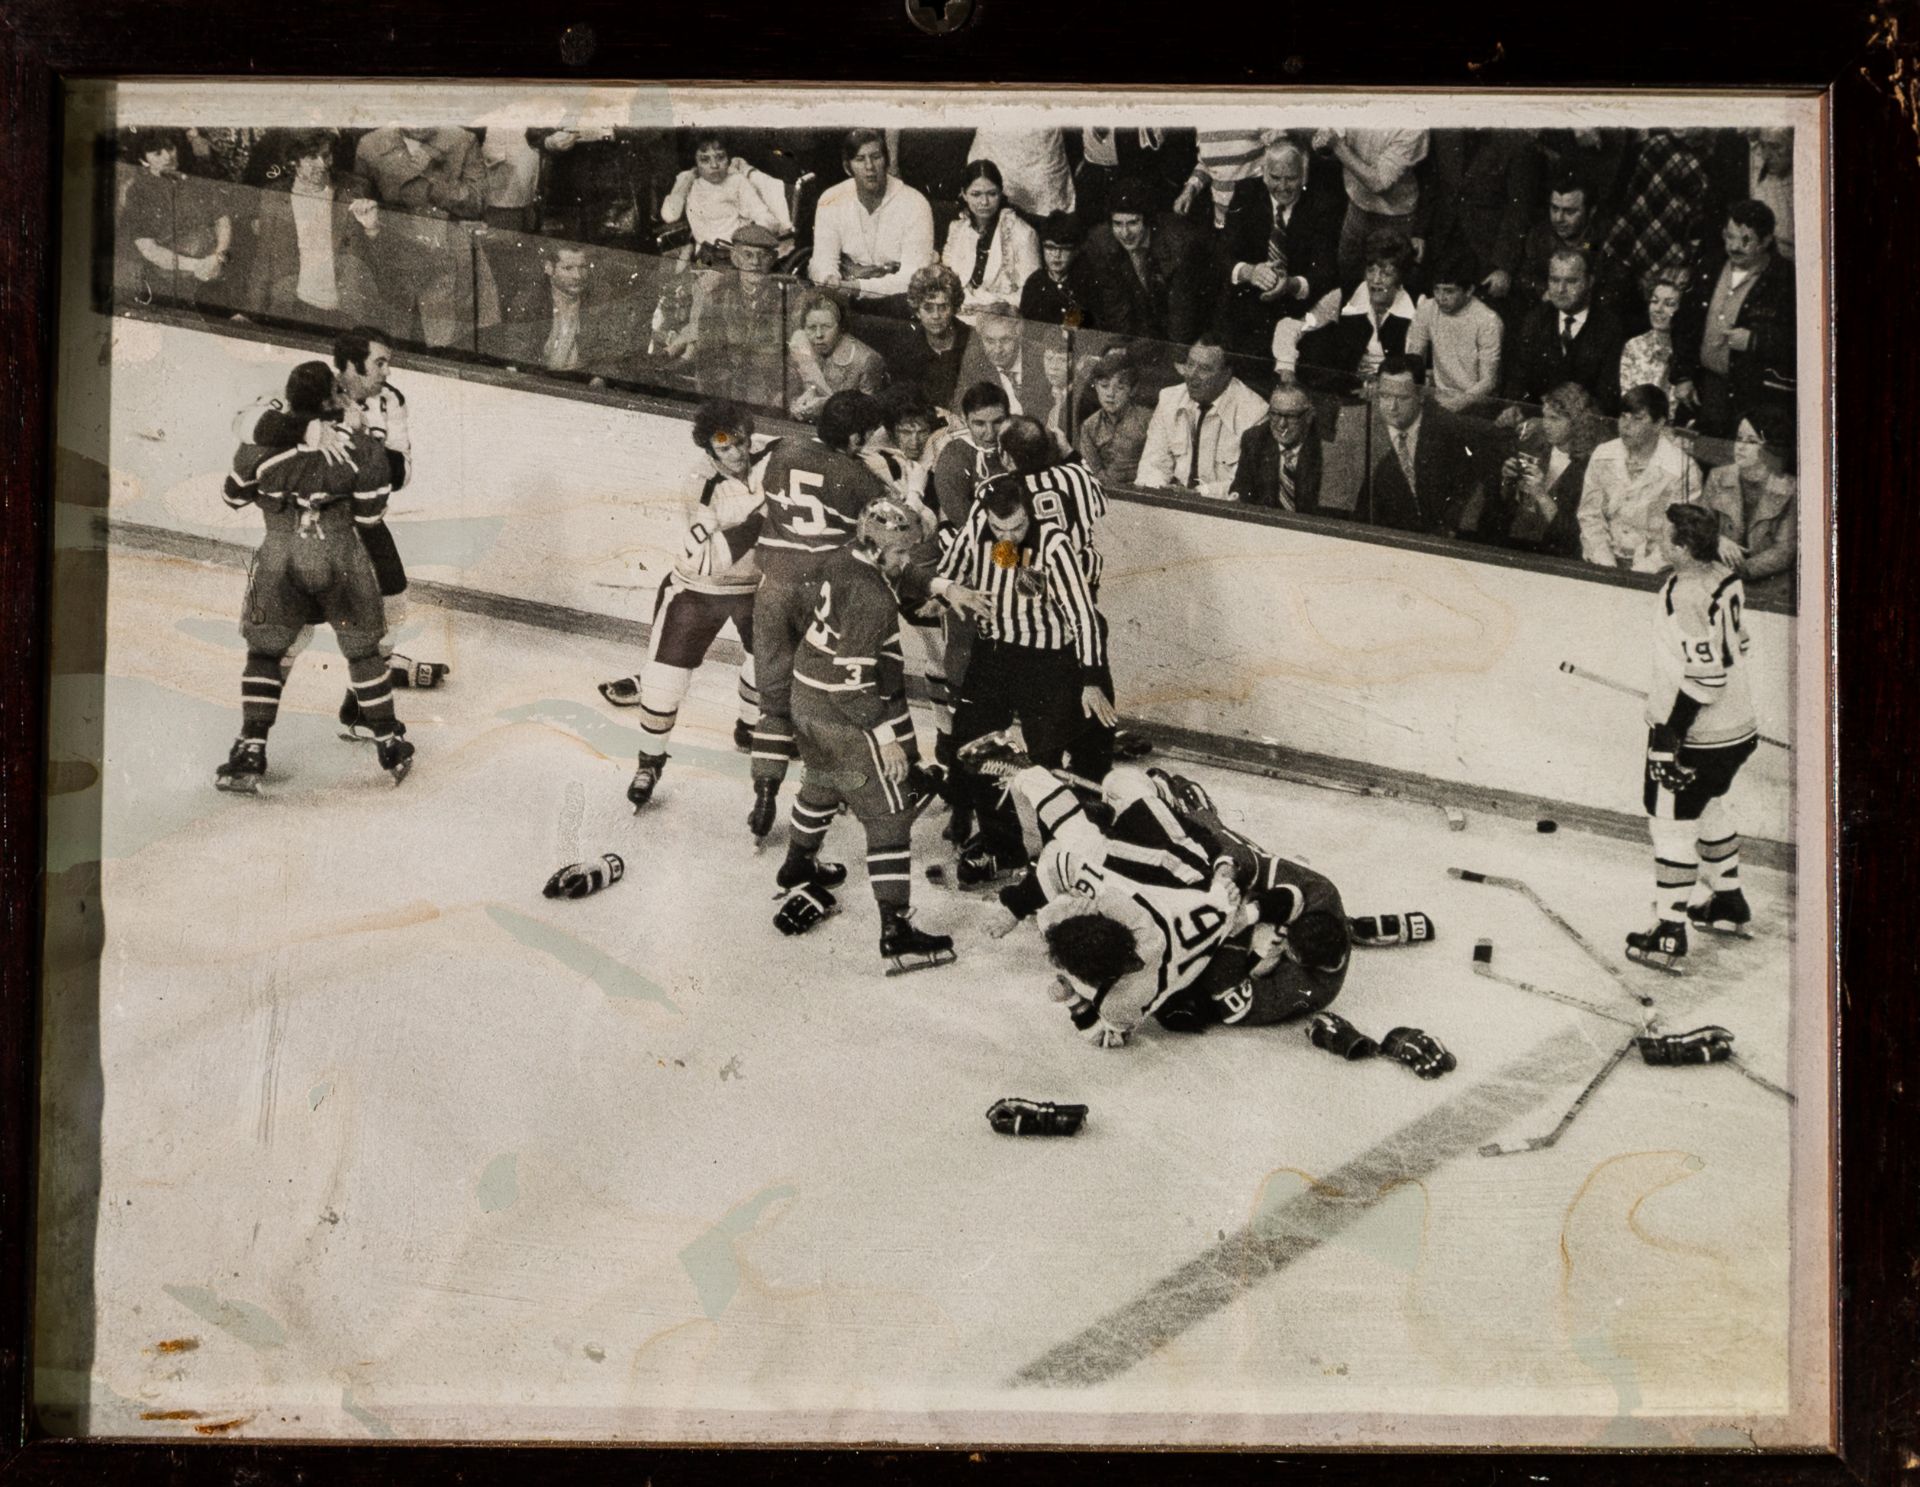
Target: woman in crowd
176 237
1630 483
1544 480
1644 360
1757 500
990 250
826 360
930 354
1038 180
720 195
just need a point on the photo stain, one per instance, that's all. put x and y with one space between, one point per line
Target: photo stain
177 1345
221 1427
170 1414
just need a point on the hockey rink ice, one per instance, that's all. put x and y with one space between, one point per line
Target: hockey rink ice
392 1146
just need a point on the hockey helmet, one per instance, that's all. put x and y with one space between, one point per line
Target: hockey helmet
886 525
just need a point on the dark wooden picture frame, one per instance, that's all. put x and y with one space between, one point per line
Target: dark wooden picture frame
1856 57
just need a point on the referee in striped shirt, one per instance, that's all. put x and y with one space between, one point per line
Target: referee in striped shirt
1040 657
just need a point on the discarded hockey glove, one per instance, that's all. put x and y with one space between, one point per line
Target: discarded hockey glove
1421 1052
1704 1045
1017 1117
1331 1031
422 674
1664 768
805 907
1379 930
578 879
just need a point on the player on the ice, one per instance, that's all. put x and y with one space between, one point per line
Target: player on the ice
1700 731
815 491
713 582
361 358
312 566
849 683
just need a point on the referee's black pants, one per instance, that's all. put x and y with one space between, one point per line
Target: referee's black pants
1041 689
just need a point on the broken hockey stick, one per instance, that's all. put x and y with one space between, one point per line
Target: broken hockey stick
1541 1143
1606 681
1483 966
1466 875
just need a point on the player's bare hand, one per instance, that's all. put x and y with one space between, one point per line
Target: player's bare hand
1098 706
1104 1034
893 762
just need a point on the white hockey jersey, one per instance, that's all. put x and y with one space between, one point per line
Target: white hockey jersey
1700 648
723 526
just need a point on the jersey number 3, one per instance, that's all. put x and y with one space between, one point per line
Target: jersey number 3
822 634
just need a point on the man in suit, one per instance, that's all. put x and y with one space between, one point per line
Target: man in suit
1282 241
570 323
1734 338
1151 271
1426 477
1568 338
1002 354
1280 456
1481 188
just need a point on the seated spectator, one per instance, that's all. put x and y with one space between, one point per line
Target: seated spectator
739 340
1002 354
1662 221
1428 479
434 179
1630 483
1281 238
1345 345
825 359
872 232
570 323
720 194
989 249
1227 157
1482 186
594 179
971 454
1757 499
1459 337
1151 271
1111 438
1734 334
1542 482
1382 189
1038 181
173 234
1193 438
1061 290
1568 338
1569 223
1647 359
1770 181
929 355
314 243
1280 459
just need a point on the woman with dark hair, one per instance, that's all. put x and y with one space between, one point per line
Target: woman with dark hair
1757 498
1630 483
1544 479
929 355
989 249
720 195
172 233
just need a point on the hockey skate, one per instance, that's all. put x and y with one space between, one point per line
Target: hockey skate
1129 746
766 801
1725 913
640 788
808 871
998 756
906 949
743 735
396 756
1664 947
622 693
245 765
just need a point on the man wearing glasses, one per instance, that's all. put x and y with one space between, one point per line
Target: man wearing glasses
1280 456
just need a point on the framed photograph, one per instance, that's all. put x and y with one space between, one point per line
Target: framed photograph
1123 756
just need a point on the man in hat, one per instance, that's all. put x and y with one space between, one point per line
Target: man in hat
1061 290
739 339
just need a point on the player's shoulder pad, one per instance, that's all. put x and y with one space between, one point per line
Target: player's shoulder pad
398 396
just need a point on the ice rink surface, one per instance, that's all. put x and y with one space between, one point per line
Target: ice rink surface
394 1146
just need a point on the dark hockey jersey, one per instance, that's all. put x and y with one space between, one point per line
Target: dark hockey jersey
301 490
851 651
814 495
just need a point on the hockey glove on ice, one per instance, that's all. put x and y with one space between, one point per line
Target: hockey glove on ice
578 879
1334 1033
1704 1045
1018 1117
1421 1052
805 907
1378 930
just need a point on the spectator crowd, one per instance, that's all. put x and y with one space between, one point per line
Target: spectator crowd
1530 339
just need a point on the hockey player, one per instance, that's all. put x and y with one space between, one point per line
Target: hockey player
1700 731
361 359
849 679
713 582
815 491
312 566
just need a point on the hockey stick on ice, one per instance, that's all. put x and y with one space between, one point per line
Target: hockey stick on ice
1606 681
1494 880
1766 1084
1541 1143
1483 966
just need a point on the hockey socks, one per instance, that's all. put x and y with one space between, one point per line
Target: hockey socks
260 686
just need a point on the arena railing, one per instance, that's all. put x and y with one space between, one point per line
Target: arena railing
665 325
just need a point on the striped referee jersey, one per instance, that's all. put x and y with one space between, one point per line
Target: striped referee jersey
1070 494
1054 614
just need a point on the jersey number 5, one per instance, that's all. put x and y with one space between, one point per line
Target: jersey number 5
803 513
